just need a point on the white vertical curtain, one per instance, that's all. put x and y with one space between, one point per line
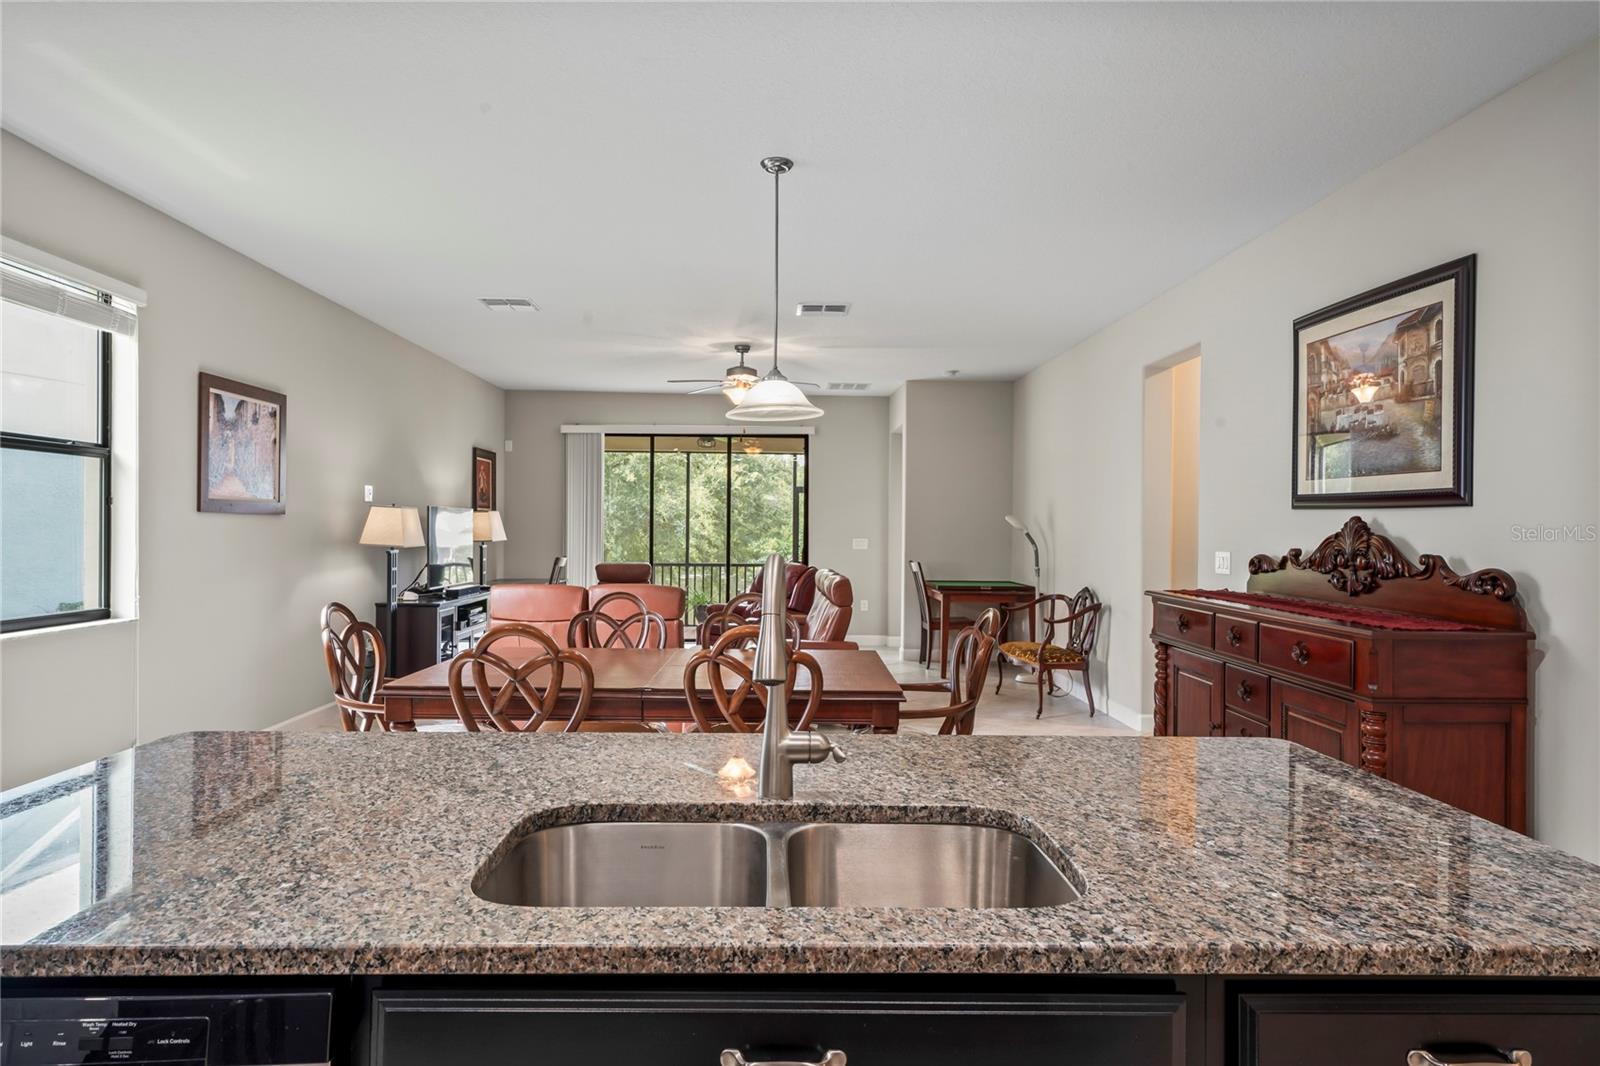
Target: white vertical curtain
586 489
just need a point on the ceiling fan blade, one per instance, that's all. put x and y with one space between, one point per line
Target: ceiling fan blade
694 381
806 384
704 388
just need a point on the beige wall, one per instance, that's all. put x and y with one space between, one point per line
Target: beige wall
849 478
1515 182
226 636
956 484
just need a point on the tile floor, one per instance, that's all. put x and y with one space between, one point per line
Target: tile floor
1012 711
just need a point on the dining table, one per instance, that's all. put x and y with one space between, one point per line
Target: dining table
945 594
647 685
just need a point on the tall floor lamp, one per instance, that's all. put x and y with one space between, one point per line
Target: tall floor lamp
486 529
392 528
1016 523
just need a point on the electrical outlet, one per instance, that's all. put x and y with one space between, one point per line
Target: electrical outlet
366 493
508 444
859 544
863 606
1224 563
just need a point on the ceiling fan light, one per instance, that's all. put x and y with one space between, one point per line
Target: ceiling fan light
774 399
735 389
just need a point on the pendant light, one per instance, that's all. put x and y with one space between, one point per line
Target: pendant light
775 398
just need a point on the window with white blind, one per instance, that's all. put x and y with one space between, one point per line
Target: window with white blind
56 492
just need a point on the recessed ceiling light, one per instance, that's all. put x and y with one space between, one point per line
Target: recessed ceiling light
501 303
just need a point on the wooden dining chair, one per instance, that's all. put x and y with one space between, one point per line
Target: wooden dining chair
969 672
737 702
928 621
1070 624
558 571
732 615
483 679
336 617
635 626
356 659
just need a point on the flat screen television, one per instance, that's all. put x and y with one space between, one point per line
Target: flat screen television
449 546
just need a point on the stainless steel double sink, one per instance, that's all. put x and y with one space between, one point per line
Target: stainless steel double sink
777 864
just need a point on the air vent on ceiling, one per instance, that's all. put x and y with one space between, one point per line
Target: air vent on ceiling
496 303
807 310
848 386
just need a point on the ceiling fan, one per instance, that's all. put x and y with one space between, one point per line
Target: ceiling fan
735 381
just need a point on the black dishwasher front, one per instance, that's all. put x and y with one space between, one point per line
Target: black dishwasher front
142 1029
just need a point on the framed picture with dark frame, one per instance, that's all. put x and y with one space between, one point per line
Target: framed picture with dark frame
1383 395
241 427
482 479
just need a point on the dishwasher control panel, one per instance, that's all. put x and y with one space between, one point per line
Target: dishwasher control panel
70 1041
139 1028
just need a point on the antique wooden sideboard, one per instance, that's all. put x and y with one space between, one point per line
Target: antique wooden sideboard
1406 669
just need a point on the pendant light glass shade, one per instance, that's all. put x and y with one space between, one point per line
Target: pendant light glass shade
775 399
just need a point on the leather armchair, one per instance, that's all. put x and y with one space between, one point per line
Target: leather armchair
799 586
548 608
827 624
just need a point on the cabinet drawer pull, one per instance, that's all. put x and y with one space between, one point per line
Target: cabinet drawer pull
735 1058
1420 1057
1246 690
1183 623
1302 655
1234 636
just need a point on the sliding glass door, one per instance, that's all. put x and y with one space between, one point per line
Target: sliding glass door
706 510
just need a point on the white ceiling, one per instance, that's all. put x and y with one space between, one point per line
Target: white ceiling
985 183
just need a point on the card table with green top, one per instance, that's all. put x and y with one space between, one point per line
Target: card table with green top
946 592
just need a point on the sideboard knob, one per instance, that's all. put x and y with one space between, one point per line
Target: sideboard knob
1234 636
1246 690
1183 623
1300 653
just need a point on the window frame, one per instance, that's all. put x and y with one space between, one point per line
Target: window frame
88 449
799 508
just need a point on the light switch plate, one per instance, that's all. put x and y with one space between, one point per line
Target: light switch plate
859 544
366 493
863 606
1224 563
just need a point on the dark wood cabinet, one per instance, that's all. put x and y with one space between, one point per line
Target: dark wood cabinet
1277 1029
878 1029
430 632
1196 694
1405 669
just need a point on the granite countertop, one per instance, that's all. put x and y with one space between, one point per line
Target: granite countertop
258 853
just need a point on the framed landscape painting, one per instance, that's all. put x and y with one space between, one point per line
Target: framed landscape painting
241 447
1383 395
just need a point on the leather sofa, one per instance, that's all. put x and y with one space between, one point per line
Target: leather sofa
551 608
665 600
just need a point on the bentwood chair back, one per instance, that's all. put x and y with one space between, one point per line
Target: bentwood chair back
737 703
969 670
617 620
514 677
336 617
356 659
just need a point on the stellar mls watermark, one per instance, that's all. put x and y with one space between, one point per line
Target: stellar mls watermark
1546 534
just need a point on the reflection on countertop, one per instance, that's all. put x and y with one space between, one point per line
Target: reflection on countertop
270 853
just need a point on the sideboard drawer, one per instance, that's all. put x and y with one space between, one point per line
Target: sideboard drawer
1235 636
1313 655
1236 723
1183 623
1319 721
1338 1030
1246 690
